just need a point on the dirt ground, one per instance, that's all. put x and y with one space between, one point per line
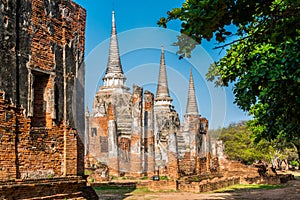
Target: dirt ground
291 191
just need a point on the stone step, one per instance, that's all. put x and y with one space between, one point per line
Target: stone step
125 119
124 124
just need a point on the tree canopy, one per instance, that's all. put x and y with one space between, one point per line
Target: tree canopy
239 145
262 59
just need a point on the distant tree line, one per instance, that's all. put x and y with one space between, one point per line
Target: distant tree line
240 145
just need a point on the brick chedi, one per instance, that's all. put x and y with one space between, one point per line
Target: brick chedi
136 134
115 123
41 99
193 149
166 126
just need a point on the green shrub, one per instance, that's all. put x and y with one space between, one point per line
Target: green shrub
196 179
113 177
294 163
166 178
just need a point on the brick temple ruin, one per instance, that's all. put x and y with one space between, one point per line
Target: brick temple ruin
138 134
41 83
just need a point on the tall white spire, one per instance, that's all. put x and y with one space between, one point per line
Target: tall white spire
114 76
192 107
162 93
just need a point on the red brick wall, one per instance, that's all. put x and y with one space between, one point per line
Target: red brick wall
55 23
94 149
208 185
27 152
54 188
161 185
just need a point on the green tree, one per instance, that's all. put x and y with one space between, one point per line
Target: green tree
239 145
262 58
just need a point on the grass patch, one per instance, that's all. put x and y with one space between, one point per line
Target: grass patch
237 187
113 190
141 190
112 177
164 178
88 172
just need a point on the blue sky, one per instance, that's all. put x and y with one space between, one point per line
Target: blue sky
140 41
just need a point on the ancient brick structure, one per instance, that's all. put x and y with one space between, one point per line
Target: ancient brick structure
42 89
193 143
135 134
117 135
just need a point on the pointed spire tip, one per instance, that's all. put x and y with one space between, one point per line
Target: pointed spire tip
192 106
162 87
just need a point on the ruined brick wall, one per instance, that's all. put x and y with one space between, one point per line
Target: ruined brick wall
208 185
27 152
194 146
54 188
43 38
98 140
7 139
14 48
42 72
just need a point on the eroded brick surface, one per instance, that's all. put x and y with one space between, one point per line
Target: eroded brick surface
41 83
28 152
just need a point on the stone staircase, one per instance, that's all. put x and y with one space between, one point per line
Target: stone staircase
181 146
124 125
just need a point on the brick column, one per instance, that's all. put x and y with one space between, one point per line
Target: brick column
149 156
136 135
113 162
172 156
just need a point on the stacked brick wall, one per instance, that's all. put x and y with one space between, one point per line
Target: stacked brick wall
38 38
7 139
185 167
214 164
35 152
208 185
98 130
52 188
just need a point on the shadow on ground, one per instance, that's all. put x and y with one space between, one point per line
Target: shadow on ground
114 192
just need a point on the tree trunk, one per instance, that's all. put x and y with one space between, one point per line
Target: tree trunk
297 145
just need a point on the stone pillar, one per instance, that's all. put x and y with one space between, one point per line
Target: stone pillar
172 156
86 131
112 149
52 97
193 139
113 162
149 151
136 135
30 93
